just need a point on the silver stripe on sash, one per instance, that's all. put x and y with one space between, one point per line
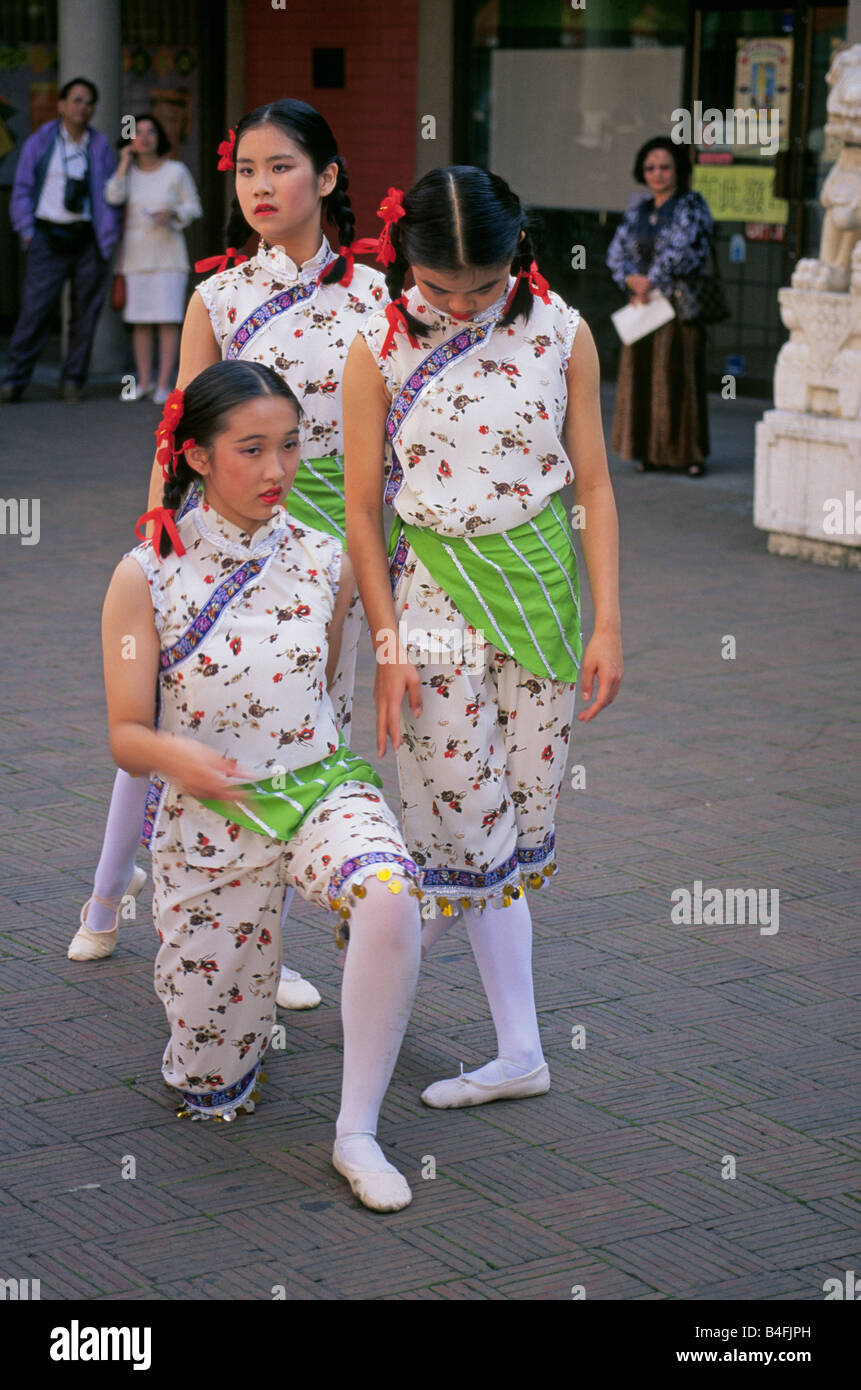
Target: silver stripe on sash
536 644
552 552
463 574
319 510
550 604
321 478
257 821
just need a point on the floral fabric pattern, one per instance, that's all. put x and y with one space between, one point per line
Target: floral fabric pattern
218 922
474 445
681 245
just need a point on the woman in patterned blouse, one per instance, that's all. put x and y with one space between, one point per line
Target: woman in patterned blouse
661 417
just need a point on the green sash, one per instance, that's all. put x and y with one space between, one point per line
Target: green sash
277 806
520 588
317 496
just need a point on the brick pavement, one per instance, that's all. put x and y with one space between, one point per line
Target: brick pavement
701 1041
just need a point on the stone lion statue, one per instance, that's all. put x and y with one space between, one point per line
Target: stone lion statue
841 192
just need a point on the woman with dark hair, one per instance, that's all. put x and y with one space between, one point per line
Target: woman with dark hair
237 611
469 404
295 306
663 242
160 200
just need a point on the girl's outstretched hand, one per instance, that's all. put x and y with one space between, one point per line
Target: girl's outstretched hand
394 679
602 663
202 772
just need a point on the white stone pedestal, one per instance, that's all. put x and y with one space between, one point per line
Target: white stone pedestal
807 486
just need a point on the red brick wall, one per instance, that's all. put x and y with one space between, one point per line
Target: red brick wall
374 116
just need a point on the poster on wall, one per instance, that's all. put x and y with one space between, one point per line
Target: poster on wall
28 98
740 193
763 79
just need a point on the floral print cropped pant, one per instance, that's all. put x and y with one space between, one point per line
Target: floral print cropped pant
218 964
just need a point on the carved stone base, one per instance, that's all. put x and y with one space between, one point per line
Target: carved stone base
807 484
817 552
819 369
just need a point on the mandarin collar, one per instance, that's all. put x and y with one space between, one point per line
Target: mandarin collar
275 258
224 536
419 306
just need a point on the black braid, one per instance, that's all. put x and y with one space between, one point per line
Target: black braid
339 211
522 301
395 277
175 488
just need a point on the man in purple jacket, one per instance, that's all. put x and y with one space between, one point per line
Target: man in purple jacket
68 229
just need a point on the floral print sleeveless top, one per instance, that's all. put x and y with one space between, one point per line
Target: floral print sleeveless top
474 434
270 310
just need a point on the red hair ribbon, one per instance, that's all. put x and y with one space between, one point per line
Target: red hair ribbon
397 324
162 519
391 210
166 451
225 150
537 284
221 262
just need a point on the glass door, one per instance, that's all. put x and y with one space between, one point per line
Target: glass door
760 174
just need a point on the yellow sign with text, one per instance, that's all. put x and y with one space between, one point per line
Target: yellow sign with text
740 193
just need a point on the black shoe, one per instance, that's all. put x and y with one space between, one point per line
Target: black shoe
9 394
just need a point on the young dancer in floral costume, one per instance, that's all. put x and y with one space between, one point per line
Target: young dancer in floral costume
237 611
469 403
296 305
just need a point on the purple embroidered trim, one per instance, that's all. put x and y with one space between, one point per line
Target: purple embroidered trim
540 852
270 309
376 856
211 612
430 367
192 500
437 879
394 482
398 560
211 1100
155 791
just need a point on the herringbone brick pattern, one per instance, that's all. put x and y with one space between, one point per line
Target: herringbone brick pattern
705 1045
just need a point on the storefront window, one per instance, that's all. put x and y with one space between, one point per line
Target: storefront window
561 98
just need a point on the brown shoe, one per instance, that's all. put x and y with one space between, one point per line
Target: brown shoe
72 392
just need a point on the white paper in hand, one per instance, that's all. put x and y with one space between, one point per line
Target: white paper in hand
636 320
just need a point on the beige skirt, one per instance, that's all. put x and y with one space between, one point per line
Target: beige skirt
661 413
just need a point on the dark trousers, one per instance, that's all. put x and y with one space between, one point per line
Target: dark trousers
50 261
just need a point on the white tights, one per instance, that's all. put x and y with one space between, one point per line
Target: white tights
119 846
501 941
377 991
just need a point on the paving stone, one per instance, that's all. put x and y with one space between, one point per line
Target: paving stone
701 1040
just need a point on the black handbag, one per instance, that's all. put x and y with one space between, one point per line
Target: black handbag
701 298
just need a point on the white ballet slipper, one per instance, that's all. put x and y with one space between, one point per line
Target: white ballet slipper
97 945
294 992
460 1090
385 1190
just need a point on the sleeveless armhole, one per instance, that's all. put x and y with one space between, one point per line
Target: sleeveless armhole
146 558
334 570
205 290
374 331
572 324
